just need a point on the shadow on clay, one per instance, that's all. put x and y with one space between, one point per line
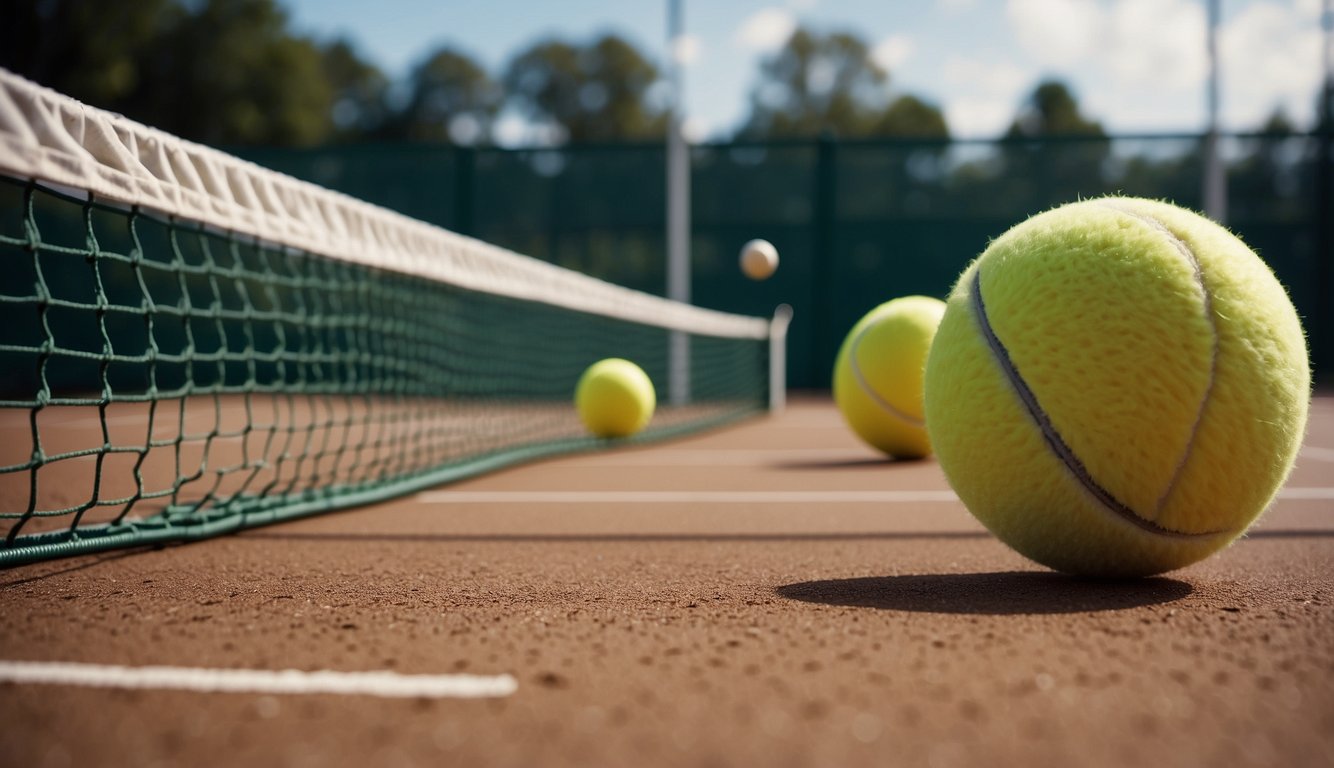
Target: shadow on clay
998 594
52 568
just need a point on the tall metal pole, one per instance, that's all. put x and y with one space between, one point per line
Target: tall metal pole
1322 334
678 205
1215 175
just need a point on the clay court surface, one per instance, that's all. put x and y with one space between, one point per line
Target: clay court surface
768 594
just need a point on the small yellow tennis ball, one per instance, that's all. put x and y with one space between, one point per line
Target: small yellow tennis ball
759 259
615 398
1118 387
878 375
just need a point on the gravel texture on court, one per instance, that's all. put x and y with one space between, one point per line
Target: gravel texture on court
835 632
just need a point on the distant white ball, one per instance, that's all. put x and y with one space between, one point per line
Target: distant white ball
759 259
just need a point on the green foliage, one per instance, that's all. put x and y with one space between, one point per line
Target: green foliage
360 92
453 100
234 73
220 71
816 84
1052 110
595 92
829 83
912 117
94 51
271 90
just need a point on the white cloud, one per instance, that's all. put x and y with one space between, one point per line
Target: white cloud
982 96
687 49
1134 64
893 51
990 78
1143 64
1055 33
978 118
1159 43
1309 9
1270 56
766 30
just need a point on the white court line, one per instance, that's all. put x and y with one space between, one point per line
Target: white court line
1317 453
739 497
729 456
676 497
384 684
1307 494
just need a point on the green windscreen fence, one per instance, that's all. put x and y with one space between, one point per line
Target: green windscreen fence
166 377
856 223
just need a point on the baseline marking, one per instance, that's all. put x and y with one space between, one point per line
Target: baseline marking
383 684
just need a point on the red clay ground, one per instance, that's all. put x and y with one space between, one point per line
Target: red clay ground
829 631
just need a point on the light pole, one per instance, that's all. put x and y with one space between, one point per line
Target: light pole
1215 175
678 205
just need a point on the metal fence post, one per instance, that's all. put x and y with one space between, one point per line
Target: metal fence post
824 220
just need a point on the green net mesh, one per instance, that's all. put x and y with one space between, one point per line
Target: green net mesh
163 381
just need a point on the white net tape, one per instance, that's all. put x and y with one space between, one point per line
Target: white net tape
61 142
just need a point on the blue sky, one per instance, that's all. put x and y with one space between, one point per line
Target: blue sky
1136 65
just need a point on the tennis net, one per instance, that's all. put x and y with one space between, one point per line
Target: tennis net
193 345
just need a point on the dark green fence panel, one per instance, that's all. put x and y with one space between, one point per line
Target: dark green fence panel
856 223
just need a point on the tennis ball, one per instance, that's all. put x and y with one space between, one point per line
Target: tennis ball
759 259
1118 387
615 398
878 375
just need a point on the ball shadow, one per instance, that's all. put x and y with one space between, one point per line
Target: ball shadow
1005 593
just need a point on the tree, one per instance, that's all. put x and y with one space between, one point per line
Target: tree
829 83
217 71
597 92
453 99
360 92
92 51
1053 151
244 77
1051 110
911 117
816 84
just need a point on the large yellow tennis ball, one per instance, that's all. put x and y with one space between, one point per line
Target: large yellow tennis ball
615 398
1118 387
878 375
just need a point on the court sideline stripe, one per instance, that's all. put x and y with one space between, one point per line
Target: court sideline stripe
670 497
737 497
383 684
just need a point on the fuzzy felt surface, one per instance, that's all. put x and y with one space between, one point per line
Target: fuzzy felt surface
1118 386
878 375
615 398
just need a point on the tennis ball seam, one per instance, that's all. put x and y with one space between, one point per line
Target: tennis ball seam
871 393
1198 271
1055 442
